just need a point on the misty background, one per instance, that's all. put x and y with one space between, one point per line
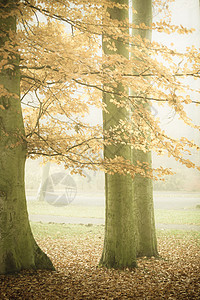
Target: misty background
54 185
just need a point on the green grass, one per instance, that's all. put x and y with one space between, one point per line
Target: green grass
178 234
70 231
78 211
161 215
177 216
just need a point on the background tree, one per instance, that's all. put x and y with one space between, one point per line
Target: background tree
44 182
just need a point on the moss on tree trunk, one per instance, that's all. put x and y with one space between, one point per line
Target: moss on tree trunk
143 187
18 249
143 197
119 242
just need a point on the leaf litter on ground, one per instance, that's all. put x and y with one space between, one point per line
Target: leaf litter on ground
174 275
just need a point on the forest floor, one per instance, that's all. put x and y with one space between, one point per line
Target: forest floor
75 251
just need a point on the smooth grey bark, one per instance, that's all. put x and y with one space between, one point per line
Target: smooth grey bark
18 249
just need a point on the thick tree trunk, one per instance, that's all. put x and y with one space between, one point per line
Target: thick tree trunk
119 242
143 197
143 187
18 249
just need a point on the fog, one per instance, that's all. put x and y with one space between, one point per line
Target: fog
77 196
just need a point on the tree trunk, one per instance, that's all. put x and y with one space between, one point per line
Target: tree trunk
119 242
18 249
143 197
44 182
143 187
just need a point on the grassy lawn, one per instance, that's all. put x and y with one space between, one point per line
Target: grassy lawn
67 211
177 216
70 230
161 215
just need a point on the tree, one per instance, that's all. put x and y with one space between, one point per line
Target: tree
141 215
127 202
119 241
18 249
143 186
43 185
